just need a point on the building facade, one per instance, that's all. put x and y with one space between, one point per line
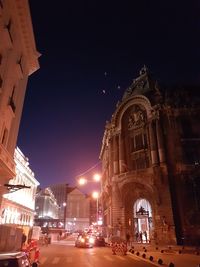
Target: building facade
150 163
18 60
46 209
60 193
77 210
18 205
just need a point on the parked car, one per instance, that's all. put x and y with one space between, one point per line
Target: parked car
84 241
15 259
99 241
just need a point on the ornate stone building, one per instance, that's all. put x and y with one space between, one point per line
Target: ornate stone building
18 206
150 162
18 60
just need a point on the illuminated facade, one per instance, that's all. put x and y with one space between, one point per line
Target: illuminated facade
60 193
150 163
18 207
46 204
18 60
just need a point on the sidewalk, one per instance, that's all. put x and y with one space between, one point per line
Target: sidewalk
178 256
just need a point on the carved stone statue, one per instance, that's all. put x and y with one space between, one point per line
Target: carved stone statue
136 118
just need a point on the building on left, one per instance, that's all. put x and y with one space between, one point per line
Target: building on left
18 205
18 60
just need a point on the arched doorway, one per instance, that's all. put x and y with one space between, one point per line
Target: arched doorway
142 217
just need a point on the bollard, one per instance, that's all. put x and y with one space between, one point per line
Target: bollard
151 258
171 264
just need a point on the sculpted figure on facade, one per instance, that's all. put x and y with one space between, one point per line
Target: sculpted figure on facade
136 118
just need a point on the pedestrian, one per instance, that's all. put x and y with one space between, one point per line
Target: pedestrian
136 236
59 235
23 240
128 238
46 239
145 235
141 237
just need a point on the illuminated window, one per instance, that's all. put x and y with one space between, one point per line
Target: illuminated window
138 142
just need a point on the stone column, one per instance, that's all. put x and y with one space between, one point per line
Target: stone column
121 154
110 157
117 211
160 142
116 155
153 144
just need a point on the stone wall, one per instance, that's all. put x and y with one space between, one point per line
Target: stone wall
10 238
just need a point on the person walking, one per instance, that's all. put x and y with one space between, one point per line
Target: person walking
145 235
23 240
136 236
141 240
128 239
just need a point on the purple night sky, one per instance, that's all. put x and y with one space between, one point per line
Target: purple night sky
91 52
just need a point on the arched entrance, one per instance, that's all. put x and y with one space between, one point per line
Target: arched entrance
142 217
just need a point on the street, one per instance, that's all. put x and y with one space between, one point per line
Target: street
64 252
61 255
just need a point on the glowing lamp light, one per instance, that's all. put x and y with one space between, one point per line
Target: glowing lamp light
100 222
95 194
97 177
82 181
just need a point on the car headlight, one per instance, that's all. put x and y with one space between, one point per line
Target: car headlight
91 240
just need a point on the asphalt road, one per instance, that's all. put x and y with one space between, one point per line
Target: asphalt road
64 252
61 255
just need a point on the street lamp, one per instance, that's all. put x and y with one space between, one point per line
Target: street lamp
83 181
64 205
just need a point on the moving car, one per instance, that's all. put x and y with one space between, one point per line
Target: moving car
84 241
15 259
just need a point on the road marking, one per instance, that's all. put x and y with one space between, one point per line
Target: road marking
109 258
55 260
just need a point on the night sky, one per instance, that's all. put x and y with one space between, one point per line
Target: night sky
91 52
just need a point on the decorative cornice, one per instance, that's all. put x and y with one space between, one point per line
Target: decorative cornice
27 35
